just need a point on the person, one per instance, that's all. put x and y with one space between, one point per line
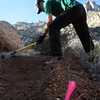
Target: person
66 12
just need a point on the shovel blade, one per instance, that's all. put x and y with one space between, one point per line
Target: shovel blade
6 55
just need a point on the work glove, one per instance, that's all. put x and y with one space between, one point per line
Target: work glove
41 39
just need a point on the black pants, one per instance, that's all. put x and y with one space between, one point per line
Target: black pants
76 16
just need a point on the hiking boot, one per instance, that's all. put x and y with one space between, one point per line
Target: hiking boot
52 60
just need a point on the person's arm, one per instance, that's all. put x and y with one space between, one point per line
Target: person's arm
49 20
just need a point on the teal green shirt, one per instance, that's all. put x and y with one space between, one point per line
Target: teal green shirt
56 7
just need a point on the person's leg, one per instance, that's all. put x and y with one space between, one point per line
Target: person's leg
82 30
64 19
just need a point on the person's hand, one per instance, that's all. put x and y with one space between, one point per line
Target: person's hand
41 39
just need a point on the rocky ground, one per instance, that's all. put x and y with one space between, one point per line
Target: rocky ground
27 78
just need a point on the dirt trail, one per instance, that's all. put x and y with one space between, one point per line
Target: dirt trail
26 78
21 78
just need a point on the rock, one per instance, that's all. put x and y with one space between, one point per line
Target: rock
9 37
76 45
93 19
91 5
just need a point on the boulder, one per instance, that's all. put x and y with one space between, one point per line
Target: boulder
9 37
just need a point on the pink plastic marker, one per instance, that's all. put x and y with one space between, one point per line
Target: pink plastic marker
71 87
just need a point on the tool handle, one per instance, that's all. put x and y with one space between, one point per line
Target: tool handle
33 44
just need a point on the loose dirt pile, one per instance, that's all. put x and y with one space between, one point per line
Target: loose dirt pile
27 78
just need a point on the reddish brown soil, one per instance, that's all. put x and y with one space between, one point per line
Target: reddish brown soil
27 78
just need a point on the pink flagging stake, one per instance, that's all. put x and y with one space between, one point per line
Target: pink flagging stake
70 89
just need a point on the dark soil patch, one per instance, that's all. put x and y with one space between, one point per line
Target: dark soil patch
26 78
